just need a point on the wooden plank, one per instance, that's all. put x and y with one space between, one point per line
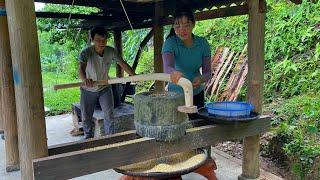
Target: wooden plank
8 114
27 83
157 44
91 143
78 163
256 35
105 140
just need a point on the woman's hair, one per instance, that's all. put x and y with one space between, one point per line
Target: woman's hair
179 13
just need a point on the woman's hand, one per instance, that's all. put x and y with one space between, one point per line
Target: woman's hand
175 76
197 81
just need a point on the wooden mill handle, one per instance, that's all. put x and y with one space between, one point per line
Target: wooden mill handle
183 82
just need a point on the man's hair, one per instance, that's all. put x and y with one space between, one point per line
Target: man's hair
98 30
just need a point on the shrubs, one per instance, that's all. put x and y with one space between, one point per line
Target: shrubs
297 135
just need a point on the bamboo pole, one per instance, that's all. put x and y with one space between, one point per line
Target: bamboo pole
256 33
8 100
27 83
118 46
157 44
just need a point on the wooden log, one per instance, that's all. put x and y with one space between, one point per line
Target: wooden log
27 83
101 158
256 35
118 46
156 115
157 44
8 101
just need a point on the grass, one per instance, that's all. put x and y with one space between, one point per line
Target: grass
58 101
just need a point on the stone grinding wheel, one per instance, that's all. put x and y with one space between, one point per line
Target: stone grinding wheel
156 115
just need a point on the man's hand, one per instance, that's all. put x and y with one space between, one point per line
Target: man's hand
87 82
197 81
175 76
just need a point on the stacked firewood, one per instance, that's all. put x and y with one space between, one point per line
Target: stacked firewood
229 72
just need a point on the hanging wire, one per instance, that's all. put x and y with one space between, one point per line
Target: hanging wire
125 12
65 40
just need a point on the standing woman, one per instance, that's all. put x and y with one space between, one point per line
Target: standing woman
183 55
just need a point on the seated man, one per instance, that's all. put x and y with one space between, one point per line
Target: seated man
95 62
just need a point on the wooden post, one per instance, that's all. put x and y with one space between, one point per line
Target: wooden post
1 119
8 101
256 34
157 44
118 46
27 83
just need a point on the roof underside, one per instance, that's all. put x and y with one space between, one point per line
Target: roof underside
139 11
112 14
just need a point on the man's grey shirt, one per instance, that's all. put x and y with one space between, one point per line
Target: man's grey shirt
97 66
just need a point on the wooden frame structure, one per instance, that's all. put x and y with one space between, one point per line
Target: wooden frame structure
23 89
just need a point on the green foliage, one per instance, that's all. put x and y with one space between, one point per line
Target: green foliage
59 101
145 67
131 42
293 76
291 45
298 133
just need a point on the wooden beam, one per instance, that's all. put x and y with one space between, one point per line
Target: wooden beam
105 140
157 44
118 46
95 3
8 101
27 83
78 163
200 16
56 15
91 143
256 34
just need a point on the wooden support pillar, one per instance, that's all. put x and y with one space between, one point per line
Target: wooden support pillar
1 119
118 46
157 44
27 83
8 101
256 34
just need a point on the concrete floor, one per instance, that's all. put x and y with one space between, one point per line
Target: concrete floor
58 128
